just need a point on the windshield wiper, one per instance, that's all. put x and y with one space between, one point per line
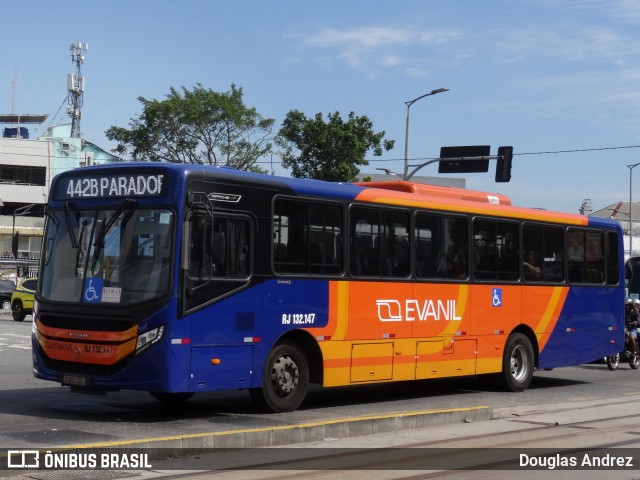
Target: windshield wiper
128 205
72 237
79 245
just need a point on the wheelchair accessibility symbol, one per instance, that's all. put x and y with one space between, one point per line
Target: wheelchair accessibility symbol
496 297
92 291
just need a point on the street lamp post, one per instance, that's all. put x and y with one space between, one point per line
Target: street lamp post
631 167
406 135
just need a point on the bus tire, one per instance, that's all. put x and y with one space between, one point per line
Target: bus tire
171 398
517 363
285 379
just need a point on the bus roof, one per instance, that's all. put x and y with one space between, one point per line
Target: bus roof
398 193
440 191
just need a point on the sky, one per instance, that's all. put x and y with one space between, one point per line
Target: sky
558 80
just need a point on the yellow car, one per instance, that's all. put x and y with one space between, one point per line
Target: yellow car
22 299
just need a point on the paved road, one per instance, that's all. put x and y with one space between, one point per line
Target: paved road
582 437
34 413
560 441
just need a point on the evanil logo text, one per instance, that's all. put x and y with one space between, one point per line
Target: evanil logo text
420 310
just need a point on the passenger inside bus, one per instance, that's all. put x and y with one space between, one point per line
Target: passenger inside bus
531 264
576 246
508 259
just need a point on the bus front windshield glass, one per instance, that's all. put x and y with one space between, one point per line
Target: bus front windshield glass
119 256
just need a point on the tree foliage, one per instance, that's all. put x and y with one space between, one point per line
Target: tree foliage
196 126
331 150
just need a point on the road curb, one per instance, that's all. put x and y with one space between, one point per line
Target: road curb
295 434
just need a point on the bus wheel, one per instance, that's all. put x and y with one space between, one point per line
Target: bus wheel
172 398
517 364
285 379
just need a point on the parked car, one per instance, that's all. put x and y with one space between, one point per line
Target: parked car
22 299
6 289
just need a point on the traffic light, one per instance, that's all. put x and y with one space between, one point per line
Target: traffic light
14 244
503 167
457 165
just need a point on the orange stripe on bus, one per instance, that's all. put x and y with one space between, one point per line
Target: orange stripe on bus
551 314
462 206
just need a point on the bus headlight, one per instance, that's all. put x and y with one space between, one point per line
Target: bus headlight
34 329
145 340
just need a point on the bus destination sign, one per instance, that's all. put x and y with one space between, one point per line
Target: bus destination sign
111 186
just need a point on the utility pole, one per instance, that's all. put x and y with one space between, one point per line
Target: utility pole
406 134
75 86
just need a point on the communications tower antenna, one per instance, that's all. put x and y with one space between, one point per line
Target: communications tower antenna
75 86
15 85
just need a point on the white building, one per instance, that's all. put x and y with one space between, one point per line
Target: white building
27 167
629 217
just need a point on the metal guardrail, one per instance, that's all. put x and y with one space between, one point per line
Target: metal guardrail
27 267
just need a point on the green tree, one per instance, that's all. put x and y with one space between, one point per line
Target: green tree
331 150
196 126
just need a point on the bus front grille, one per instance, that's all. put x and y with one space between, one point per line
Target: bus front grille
91 323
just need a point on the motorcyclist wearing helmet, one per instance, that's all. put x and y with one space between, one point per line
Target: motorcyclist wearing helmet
631 310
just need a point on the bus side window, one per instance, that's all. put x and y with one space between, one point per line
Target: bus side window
586 256
543 255
594 257
306 237
613 268
195 255
484 250
441 246
575 253
217 254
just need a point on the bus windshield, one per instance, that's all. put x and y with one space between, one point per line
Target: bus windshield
119 256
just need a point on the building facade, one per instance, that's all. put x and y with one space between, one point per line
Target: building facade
27 167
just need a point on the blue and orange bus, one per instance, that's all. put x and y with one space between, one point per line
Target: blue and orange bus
178 279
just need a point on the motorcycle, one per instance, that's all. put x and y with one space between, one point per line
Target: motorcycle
613 361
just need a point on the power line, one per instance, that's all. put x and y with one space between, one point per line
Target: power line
270 161
550 152
577 150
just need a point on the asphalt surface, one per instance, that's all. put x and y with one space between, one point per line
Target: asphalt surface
226 420
295 427
44 414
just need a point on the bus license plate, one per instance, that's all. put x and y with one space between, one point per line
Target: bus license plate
74 380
